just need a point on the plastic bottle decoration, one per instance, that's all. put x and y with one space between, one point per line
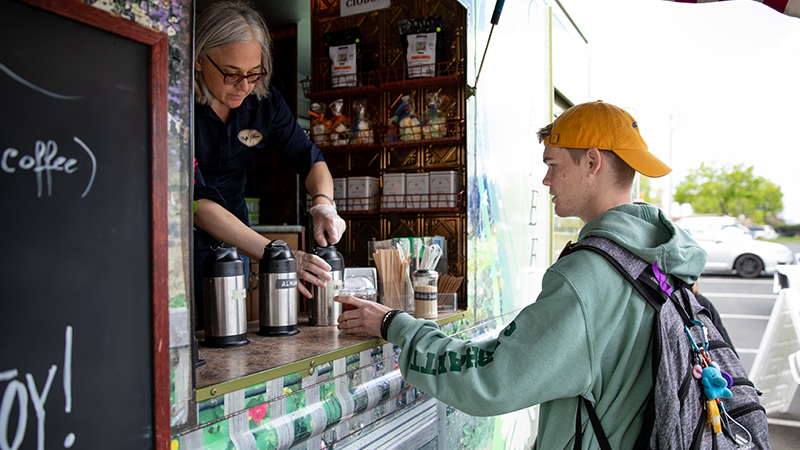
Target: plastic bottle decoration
320 127
433 125
340 124
406 119
361 132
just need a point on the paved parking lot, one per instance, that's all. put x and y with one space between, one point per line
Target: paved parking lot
745 306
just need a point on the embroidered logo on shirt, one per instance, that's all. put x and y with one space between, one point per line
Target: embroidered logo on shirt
250 138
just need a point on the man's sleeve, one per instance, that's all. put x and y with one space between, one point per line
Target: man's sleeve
543 354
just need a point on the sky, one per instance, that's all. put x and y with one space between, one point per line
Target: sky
715 82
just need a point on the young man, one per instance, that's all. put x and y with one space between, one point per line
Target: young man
588 333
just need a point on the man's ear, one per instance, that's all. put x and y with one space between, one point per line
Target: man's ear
594 159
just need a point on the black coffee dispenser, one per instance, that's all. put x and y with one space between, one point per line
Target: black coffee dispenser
277 291
225 298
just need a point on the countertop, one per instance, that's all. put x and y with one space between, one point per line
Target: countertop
277 228
268 357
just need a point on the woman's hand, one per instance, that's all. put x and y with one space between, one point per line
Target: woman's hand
365 319
311 268
328 226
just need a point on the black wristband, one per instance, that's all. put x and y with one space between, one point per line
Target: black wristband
387 320
327 198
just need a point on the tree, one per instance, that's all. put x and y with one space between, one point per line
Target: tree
646 192
731 191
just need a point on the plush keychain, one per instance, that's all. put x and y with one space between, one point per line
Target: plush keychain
716 383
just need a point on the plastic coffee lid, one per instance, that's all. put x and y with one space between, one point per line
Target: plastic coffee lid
363 291
426 273
358 282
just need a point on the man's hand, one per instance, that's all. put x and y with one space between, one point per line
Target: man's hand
365 319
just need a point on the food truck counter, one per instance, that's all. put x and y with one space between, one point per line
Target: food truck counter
268 357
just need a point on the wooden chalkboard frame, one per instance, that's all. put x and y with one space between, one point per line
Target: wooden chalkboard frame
157 41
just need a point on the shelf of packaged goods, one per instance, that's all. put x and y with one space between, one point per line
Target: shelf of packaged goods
354 206
450 132
338 142
398 204
396 79
362 83
441 74
422 203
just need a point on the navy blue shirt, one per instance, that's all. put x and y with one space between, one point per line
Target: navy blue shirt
224 153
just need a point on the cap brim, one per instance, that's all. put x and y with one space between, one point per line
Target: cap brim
644 162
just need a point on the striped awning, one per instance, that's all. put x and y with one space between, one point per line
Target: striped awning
788 7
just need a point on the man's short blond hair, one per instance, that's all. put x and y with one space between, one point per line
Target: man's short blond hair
624 173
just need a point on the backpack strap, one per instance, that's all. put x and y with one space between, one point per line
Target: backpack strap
631 267
639 273
600 435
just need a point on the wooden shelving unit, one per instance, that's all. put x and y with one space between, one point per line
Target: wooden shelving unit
383 80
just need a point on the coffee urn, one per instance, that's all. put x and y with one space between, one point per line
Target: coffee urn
225 296
277 291
322 310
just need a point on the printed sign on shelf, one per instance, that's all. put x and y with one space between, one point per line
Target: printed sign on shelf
351 7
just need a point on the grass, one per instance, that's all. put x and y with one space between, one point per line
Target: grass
785 240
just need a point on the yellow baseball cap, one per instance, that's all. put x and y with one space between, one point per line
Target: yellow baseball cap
606 127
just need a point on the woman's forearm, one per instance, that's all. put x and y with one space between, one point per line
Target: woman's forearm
225 227
319 181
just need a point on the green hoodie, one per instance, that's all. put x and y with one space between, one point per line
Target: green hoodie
587 334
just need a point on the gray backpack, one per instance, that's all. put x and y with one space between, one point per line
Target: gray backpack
677 411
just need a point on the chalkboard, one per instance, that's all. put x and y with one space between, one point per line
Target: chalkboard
83 327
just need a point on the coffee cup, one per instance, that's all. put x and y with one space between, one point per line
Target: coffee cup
363 292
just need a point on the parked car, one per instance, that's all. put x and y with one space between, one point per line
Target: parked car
725 226
730 247
763 232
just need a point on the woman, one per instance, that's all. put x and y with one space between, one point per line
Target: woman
238 117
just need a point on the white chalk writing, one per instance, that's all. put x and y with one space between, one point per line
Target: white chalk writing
36 88
44 161
17 390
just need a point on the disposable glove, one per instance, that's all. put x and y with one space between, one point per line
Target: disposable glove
328 226
311 268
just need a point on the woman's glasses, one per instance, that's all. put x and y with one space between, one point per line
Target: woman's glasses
234 78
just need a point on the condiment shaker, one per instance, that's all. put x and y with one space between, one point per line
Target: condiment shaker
426 296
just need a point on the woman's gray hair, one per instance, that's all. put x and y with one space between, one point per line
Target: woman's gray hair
225 23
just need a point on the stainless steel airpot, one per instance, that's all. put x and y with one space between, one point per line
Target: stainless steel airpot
322 310
277 291
225 296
